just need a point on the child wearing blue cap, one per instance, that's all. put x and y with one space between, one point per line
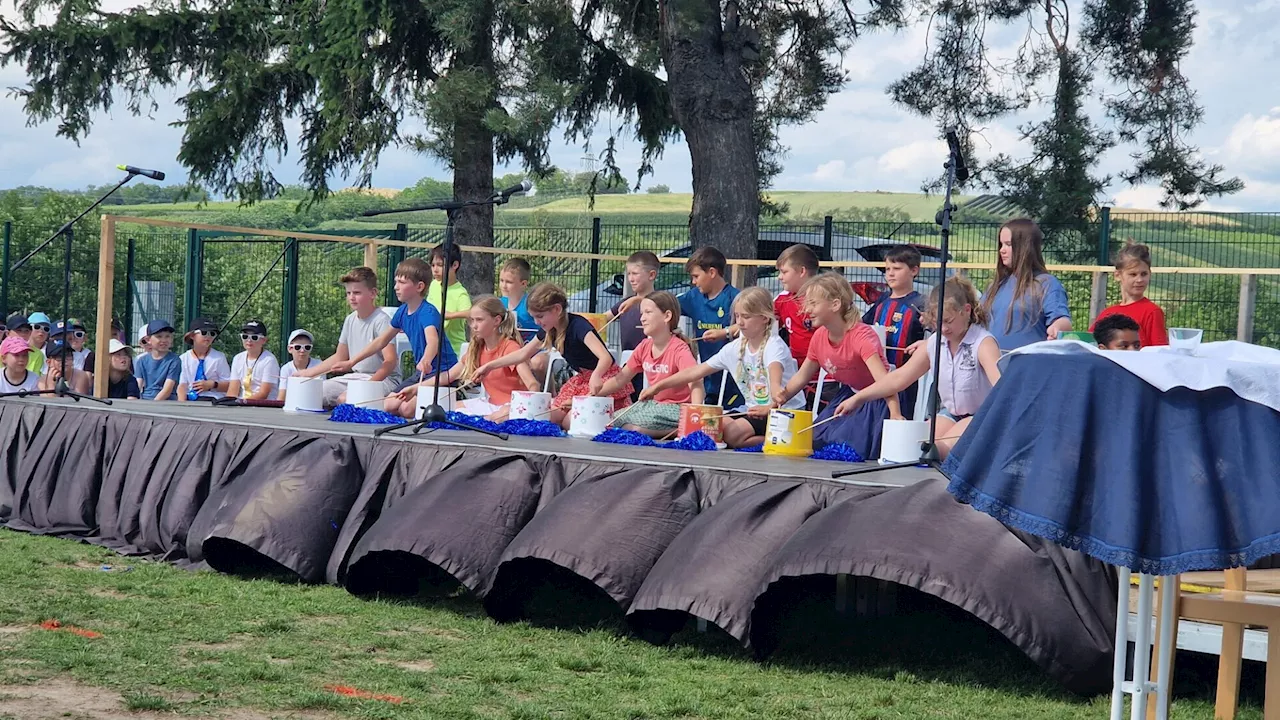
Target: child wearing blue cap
40 326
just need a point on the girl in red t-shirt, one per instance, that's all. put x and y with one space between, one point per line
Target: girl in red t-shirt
661 354
493 334
851 353
1133 273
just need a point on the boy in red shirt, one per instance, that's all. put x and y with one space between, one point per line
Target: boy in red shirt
1133 273
796 265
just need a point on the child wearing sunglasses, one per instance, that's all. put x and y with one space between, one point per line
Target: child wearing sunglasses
255 373
37 338
205 372
300 346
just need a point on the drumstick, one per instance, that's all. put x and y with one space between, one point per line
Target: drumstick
820 422
622 414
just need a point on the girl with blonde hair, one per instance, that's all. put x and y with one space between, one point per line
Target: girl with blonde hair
852 355
757 360
968 364
493 335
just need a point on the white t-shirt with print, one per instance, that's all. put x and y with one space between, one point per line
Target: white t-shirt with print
265 370
753 377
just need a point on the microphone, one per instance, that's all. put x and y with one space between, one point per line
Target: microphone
525 186
957 155
153 174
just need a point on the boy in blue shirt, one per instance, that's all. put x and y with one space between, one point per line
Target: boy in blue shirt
513 283
420 321
899 312
709 304
159 369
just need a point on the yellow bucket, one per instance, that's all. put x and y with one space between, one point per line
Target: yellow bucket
788 433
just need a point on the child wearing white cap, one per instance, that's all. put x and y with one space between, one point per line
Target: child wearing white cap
300 345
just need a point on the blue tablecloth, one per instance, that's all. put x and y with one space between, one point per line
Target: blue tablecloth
1077 450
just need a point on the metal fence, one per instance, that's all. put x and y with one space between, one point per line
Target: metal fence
179 274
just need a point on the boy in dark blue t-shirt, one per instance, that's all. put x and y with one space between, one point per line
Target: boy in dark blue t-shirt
899 312
710 305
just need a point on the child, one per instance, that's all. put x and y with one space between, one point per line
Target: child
16 377
159 370
120 382
37 338
574 338
73 334
255 373
300 345
899 313
77 380
1117 332
662 354
850 351
362 326
969 357
1024 302
710 305
420 322
759 362
513 282
457 306
493 335
642 273
796 265
1133 273
144 342
205 372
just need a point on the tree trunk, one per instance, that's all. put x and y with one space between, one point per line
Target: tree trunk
714 106
473 165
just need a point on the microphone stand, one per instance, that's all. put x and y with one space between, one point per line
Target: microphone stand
435 413
929 454
63 389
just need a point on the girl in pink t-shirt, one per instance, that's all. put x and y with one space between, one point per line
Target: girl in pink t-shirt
851 353
660 355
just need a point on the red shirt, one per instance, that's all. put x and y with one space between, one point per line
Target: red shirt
846 363
676 357
791 316
499 384
1148 315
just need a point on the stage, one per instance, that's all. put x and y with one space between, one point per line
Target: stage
720 536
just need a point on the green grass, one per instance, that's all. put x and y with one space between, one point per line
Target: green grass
204 645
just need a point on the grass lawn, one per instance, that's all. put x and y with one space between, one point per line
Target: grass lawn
181 644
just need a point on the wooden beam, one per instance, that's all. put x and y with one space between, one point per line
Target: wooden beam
106 286
371 256
1098 298
1248 301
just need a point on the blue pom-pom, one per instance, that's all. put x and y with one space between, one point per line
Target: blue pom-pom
697 441
751 448
841 452
532 428
363 416
618 436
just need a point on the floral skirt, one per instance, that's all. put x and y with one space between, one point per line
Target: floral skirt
580 384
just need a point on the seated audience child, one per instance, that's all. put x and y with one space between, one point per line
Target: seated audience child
144 342
255 373
968 363
457 307
493 335
362 326
120 382
759 362
77 380
300 345
662 354
850 351
1133 273
899 312
513 282
16 376
206 375
576 340
74 336
158 371
38 337
642 273
1118 332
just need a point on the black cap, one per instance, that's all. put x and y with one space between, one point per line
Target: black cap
59 330
158 326
199 324
57 349
17 322
254 326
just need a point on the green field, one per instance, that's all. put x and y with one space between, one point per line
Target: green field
181 644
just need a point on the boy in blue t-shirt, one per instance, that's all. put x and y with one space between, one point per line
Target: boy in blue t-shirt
710 305
513 283
899 312
158 370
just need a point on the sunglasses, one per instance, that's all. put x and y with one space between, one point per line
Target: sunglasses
251 337
77 334
208 333
301 348
40 327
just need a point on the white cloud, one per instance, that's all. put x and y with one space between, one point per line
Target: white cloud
1253 145
829 172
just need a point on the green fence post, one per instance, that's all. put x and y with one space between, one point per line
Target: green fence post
4 272
593 274
1104 236
395 256
289 308
127 321
828 235
193 279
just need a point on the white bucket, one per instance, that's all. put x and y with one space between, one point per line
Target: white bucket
425 391
363 393
527 405
900 441
304 395
590 416
882 332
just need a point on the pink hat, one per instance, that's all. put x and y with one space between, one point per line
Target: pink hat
13 345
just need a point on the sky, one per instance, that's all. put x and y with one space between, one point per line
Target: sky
860 141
